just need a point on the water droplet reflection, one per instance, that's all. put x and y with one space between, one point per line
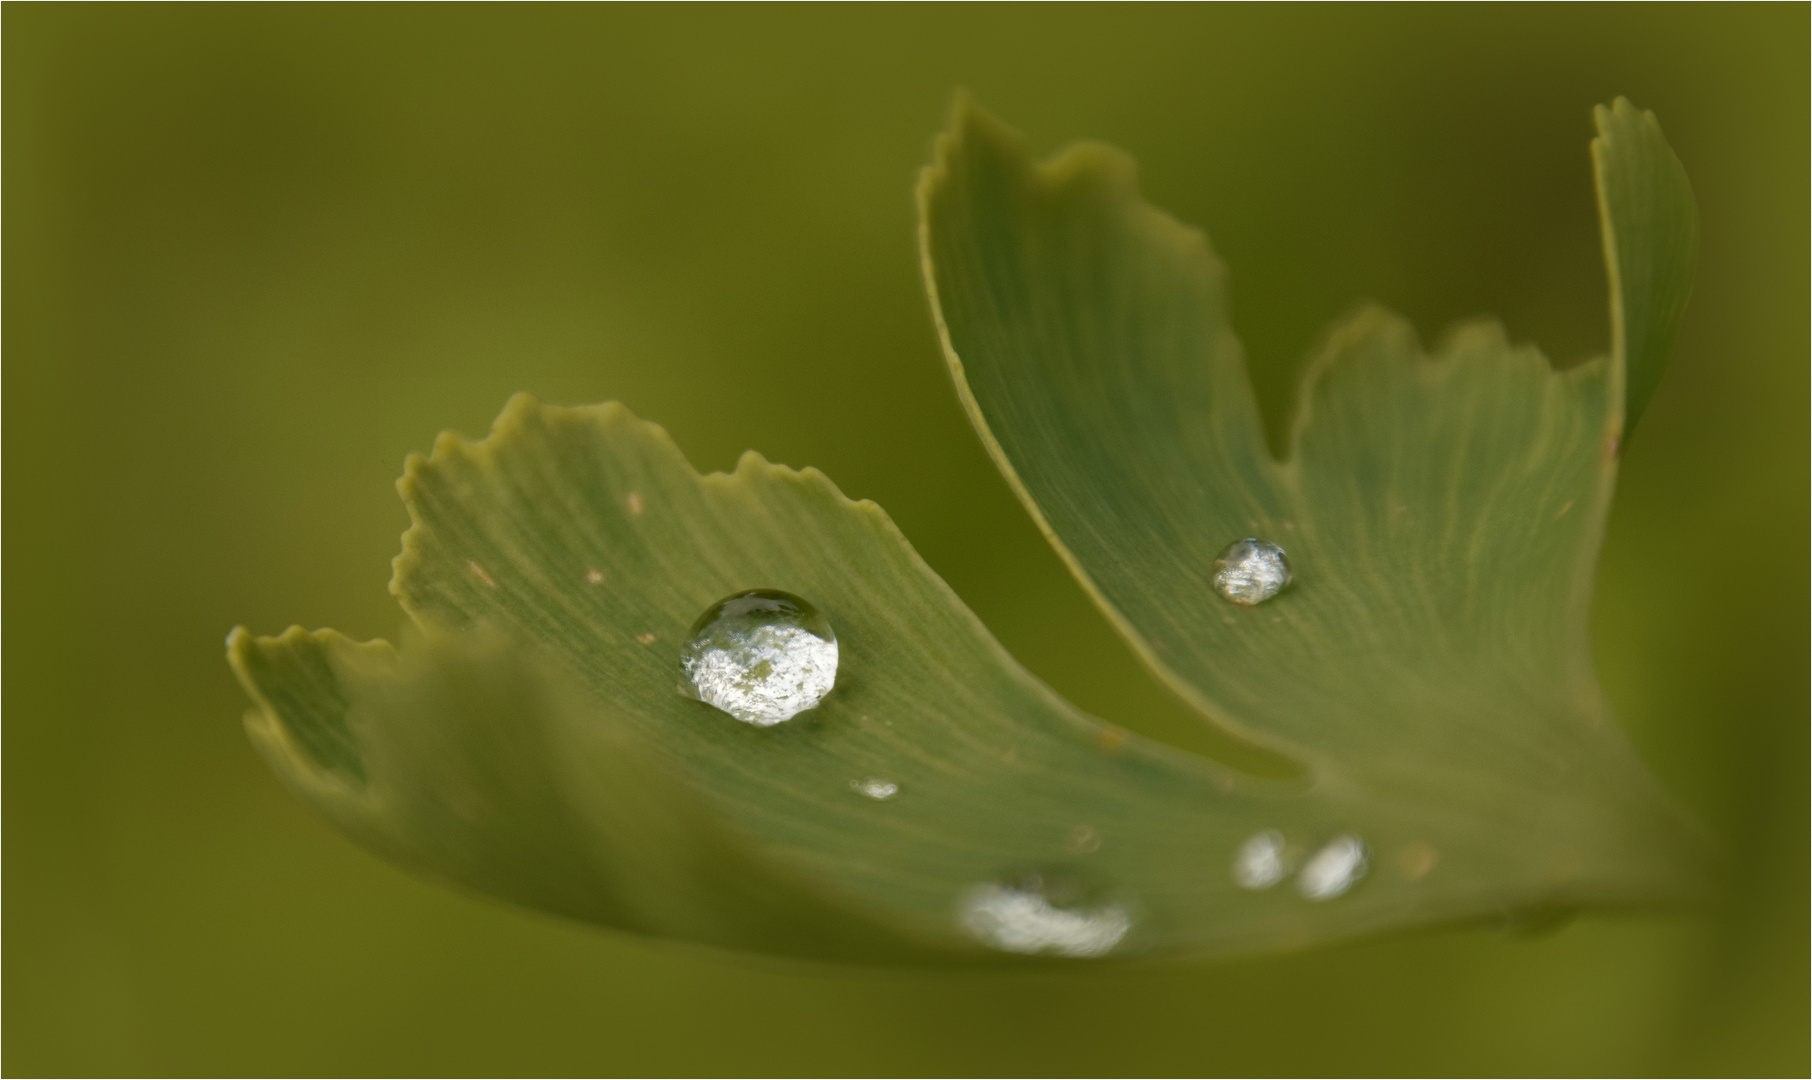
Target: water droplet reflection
1333 870
875 788
1024 920
1260 862
762 656
1251 571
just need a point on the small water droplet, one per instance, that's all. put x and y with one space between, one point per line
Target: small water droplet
1260 861
875 788
1332 870
1083 841
1251 571
762 656
594 576
1023 919
1417 859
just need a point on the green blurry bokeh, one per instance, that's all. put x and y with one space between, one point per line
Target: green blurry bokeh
255 255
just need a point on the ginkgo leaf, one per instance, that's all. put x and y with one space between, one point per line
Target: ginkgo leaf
1442 513
529 739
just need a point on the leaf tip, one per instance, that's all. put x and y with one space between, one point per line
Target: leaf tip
1650 231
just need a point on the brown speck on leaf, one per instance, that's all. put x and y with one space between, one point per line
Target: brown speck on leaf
634 502
1417 859
1289 526
1111 739
1228 619
594 577
646 639
478 571
1083 840
1564 507
1613 446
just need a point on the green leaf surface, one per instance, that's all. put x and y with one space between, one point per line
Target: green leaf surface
1442 512
1427 672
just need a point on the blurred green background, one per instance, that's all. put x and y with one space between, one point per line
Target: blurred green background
254 255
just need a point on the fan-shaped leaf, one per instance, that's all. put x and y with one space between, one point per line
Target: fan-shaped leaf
527 740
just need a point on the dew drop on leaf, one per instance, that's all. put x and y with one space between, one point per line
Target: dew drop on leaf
875 788
762 656
1260 861
1251 571
1083 841
1031 918
1416 860
1333 870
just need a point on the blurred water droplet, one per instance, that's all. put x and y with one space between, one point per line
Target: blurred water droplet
1023 919
1083 841
877 789
1251 571
1260 861
762 656
1417 859
1332 870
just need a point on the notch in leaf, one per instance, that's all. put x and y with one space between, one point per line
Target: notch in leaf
1410 630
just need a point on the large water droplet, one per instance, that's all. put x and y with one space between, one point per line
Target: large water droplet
1332 870
762 656
1023 919
1251 571
1260 862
